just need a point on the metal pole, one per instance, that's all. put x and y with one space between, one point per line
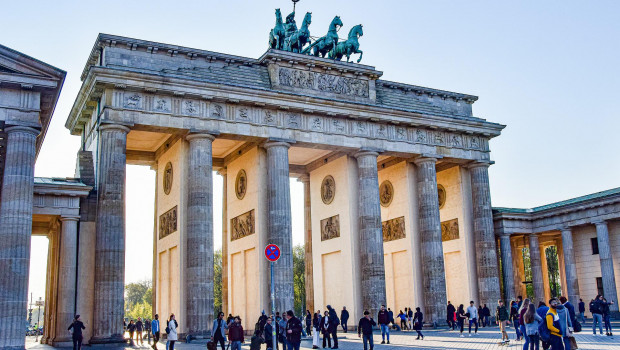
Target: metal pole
274 339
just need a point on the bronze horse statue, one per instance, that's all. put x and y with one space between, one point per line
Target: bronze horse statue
327 43
301 37
277 34
351 45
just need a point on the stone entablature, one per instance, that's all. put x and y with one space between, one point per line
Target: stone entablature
584 210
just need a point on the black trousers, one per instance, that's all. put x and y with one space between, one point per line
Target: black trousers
219 338
77 343
155 339
335 337
326 336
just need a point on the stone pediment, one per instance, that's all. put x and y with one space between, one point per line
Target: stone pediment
25 71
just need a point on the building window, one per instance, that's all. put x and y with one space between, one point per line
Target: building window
599 285
594 243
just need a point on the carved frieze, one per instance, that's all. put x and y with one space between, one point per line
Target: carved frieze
167 178
168 222
190 107
162 105
133 101
242 225
217 111
393 229
330 228
386 193
320 82
450 230
328 189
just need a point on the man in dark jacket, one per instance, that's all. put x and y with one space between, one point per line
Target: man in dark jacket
582 311
268 334
333 325
450 310
344 318
486 313
596 308
235 334
365 327
293 331
384 320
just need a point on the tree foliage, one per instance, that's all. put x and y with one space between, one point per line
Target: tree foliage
217 281
553 269
139 300
299 279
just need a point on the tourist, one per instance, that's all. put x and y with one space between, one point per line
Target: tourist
384 320
554 325
460 318
325 330
172 325
139 330
480 316
596 308
334 322
566 324
282 331
293 331
230 318
486 313
473 317
403 320
502 318
77 337
519 302
524 307
218 332
542 312
268 334
364 327
131 328
308 323
235 334
410 319
418 321
155 329
606 316
344 318
582 311
514 317
450 313
316 328
571 313
532 320
394 325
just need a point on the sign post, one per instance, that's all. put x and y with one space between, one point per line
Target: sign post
272 253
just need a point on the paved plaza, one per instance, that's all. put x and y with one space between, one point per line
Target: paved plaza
487 339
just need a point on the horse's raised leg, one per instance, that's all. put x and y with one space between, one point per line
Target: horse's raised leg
361 53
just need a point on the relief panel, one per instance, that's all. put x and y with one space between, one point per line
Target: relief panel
330 228
393 229
242 225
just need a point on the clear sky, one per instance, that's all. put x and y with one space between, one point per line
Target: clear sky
547 69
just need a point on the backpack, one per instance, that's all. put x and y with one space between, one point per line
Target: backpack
543 330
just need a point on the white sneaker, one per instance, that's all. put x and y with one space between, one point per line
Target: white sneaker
470 335
462 336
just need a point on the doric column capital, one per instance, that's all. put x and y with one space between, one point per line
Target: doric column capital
425 159
112 127
600 223
200 136
504 234
565 228
271 144
69 218
24 129
222 172
480 164
365 152
304 178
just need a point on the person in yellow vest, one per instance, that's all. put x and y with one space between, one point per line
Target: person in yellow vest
553 324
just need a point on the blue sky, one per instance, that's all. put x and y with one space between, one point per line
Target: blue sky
548 70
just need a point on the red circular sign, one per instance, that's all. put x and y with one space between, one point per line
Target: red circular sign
272 252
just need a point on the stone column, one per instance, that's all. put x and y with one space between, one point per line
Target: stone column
15 232
224 174
570 266
507 270
537 273
67 278
370 233
199 236
607 265
486 250
431 246
305 179
279 221
110 236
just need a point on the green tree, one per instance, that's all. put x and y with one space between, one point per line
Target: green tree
299 279
139 299
553 269
217 281
527 267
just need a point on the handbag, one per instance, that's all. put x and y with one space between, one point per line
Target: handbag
573 343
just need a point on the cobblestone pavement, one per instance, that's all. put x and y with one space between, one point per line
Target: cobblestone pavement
487 339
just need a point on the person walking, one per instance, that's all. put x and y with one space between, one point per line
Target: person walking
384 320
596 308
480 316
218 332
235 334
131 328
403 320
308 323
344 318
473 317
325 330
76 328
514 317
460 318
486 313
553 324
364 327
293 331
155 329
502 318
582 311
410 319
316 328
268 334
139 330
334 322
418 322
606 316
532 320
522 311
450 313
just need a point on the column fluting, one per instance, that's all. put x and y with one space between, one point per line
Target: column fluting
570 266
308 271
224 173
67 277
536 266
507 270
607 265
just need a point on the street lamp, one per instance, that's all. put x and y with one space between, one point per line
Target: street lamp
38 303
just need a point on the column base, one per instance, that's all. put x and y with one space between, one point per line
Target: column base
111 341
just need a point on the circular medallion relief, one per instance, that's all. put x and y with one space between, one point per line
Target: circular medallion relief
241 184
168 178
441 195
328 189
386 193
